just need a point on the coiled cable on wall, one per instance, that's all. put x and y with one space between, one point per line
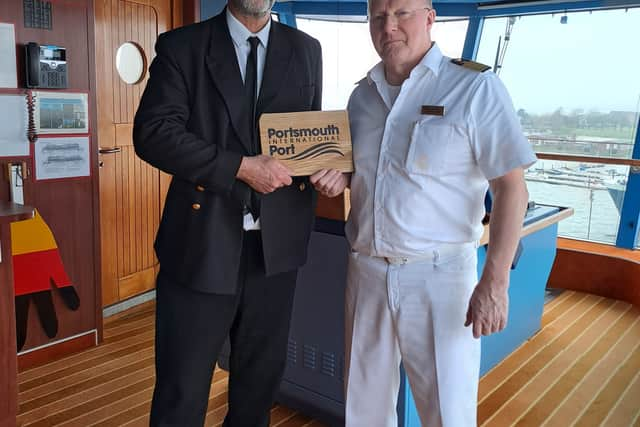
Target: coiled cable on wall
31 126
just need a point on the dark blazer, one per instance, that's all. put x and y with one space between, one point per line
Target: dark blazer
193 123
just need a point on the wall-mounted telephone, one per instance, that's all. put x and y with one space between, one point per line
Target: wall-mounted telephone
46 66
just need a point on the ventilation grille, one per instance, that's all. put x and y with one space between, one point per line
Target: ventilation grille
328 364
37 14
309 357
292 353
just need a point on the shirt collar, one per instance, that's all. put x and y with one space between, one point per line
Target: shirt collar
239 33
431 61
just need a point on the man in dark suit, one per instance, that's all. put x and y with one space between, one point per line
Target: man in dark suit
235 226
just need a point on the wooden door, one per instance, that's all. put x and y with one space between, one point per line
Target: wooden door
131 192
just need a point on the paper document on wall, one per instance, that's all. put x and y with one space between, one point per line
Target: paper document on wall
13 126
66 157
8 76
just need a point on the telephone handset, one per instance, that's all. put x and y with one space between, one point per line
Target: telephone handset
46 66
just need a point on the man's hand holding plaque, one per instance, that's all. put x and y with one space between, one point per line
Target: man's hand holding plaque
263 173
330 182
308 142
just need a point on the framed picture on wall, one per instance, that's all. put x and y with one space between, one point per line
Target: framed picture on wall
61 112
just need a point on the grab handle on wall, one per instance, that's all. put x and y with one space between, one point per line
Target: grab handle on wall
112 150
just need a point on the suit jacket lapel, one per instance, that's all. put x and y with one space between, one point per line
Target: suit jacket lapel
276 68
224 70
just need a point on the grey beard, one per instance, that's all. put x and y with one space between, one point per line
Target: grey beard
255 8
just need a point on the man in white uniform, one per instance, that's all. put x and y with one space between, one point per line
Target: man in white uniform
430 135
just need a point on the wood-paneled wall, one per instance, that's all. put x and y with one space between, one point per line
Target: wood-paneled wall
597 269
131 191
68 206
139 212
138 22
8 366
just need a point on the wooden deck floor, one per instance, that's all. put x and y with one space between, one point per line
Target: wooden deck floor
582 369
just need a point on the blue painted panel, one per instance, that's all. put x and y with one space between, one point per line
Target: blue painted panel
471 43
407 413
526 304
210 8
435 2
323 8
526 296
287 18
313 379
456 8
630 215
546 7
356 8
543 3
286 7
629 228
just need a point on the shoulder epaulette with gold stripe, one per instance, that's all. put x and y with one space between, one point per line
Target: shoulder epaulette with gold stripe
471 65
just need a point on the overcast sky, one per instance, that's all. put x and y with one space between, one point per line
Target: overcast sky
589 63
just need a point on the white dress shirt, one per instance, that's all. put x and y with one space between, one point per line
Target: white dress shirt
239 34
421 179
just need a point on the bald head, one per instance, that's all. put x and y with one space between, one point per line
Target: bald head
401 33
427 3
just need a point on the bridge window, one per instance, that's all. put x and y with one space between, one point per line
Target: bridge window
348 52
574 82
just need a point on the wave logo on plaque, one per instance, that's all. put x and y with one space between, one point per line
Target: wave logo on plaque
37 269
308 141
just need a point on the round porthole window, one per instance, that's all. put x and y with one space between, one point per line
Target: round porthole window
130 62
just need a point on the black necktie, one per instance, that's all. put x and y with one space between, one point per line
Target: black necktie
251 90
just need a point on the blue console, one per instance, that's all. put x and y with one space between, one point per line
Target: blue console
313 381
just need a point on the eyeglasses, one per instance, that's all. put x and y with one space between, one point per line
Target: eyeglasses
399 16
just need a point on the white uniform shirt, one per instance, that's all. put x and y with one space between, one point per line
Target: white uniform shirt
421 179
239 34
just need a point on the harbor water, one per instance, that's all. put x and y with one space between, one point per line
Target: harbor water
586 190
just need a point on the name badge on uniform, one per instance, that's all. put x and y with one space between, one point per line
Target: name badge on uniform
432 110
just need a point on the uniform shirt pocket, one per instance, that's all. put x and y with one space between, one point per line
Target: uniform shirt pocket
429 148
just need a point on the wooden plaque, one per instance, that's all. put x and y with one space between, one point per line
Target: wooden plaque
308 141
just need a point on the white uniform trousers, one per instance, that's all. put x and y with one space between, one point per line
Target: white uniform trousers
414 312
